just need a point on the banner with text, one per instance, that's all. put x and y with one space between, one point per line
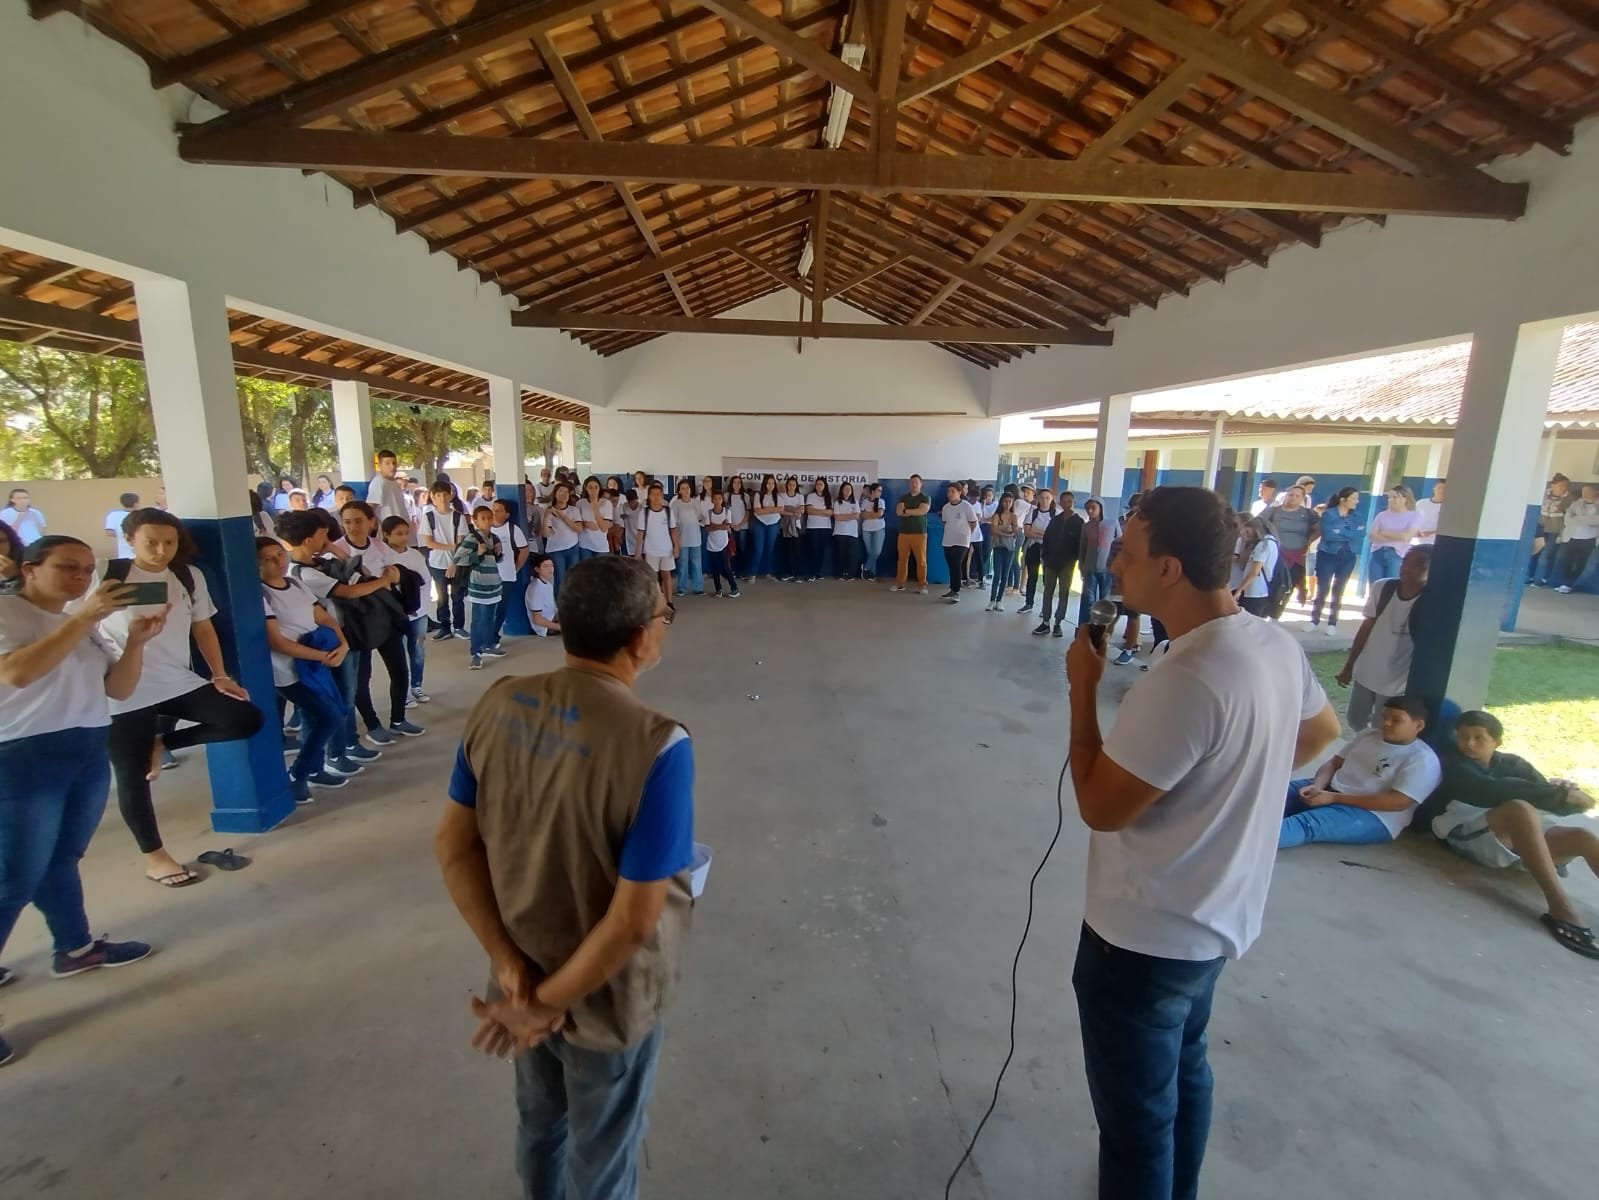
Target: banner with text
833 471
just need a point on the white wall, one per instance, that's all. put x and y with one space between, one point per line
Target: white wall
1366 290
94 171
757 397
1577 460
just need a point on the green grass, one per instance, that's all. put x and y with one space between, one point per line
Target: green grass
1547 697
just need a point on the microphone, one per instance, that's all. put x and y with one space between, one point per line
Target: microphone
1100 618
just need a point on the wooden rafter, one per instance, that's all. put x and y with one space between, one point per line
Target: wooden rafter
794 47
198 62
978 175
534 318
994 49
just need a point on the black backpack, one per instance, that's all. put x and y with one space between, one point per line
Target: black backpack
1280 585
1390 589
117 569
368 621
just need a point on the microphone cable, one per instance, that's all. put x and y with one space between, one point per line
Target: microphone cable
1060 821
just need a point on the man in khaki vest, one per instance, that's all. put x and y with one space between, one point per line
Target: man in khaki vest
566 848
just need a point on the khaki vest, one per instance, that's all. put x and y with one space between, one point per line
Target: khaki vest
560 762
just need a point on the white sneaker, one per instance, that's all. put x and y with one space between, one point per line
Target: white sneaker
898 587
923 591
1564 589
1330 631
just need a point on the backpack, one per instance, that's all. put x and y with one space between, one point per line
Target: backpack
1390 589
117 569
368 621
1280 584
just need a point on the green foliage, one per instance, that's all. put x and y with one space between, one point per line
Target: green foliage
288 429
65 415
423 435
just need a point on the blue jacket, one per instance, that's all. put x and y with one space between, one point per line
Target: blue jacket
315 675
1340 533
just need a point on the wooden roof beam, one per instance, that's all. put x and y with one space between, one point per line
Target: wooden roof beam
964 175
532 318
791 46
993 49
255 38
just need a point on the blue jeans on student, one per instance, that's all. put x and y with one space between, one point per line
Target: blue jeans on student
1344 824
1383 564
508 598
481 625
1143 1021
580 1117
690 570
741 551
345 675
415 644
1096 586
1333 569
1544 565
1004 572
451 612
564 561
872 549
320 722
584 553
765 539
53 790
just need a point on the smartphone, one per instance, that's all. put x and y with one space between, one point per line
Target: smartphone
149 593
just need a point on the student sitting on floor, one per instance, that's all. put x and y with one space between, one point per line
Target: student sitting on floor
1499 811
1367 791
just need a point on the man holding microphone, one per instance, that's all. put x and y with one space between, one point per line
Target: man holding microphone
1185 800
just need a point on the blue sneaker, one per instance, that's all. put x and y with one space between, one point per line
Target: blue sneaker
103 953
407 729
302 791
361 754
341 767
381 736
476 663
492 652
327 780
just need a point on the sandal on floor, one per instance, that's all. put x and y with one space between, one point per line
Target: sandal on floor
177 879
224 860
1577 938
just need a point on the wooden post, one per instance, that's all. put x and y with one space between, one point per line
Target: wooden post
1148 480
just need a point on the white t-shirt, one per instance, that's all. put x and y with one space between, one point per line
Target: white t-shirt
540 599
1372 765
29 523
1265 553
168 671
113 524
597 540
815 519
738 505
1427 512
958 518
792 506
1024 512
1039 521
70 697
1215 728
977 511
448 527
845 521
411 559
294 609
561 536
686 520
657 529
768 502
1383 667
511 537
717 539
871 524
375 557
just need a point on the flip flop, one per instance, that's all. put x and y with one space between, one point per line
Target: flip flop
224 860
185 878
1576 938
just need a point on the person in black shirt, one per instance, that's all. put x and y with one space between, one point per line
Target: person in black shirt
1061 543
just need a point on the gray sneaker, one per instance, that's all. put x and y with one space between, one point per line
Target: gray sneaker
407 729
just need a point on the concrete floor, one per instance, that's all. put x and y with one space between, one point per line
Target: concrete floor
1403 1028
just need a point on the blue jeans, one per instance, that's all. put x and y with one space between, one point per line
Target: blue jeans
741 551
345 676
765 539
508 597
1143 1021
320 722
1004 572
1344 824
451 612
691 570
481 625
591 1102
1096 587
872 548
584 553
564 561
1543 566
1333 569
53 790
415 644
1383 564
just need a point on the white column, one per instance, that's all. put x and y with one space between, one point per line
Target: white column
569 445
1163 460
352 427
1435 460
189 362
1110 450
1263 460
1546 468
1379 473
505 430
1213 452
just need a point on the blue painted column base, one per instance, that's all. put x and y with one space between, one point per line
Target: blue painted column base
249 782
1518 576
516 622
1456 622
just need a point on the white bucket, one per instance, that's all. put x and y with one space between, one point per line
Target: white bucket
699 870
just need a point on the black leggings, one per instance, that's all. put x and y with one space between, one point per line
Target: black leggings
955 562
392 652
719 563
220 719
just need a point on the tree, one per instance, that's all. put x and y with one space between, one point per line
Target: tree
426 435
540 439
288 430
68 415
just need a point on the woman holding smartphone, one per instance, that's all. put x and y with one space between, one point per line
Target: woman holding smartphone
57 671
168 691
